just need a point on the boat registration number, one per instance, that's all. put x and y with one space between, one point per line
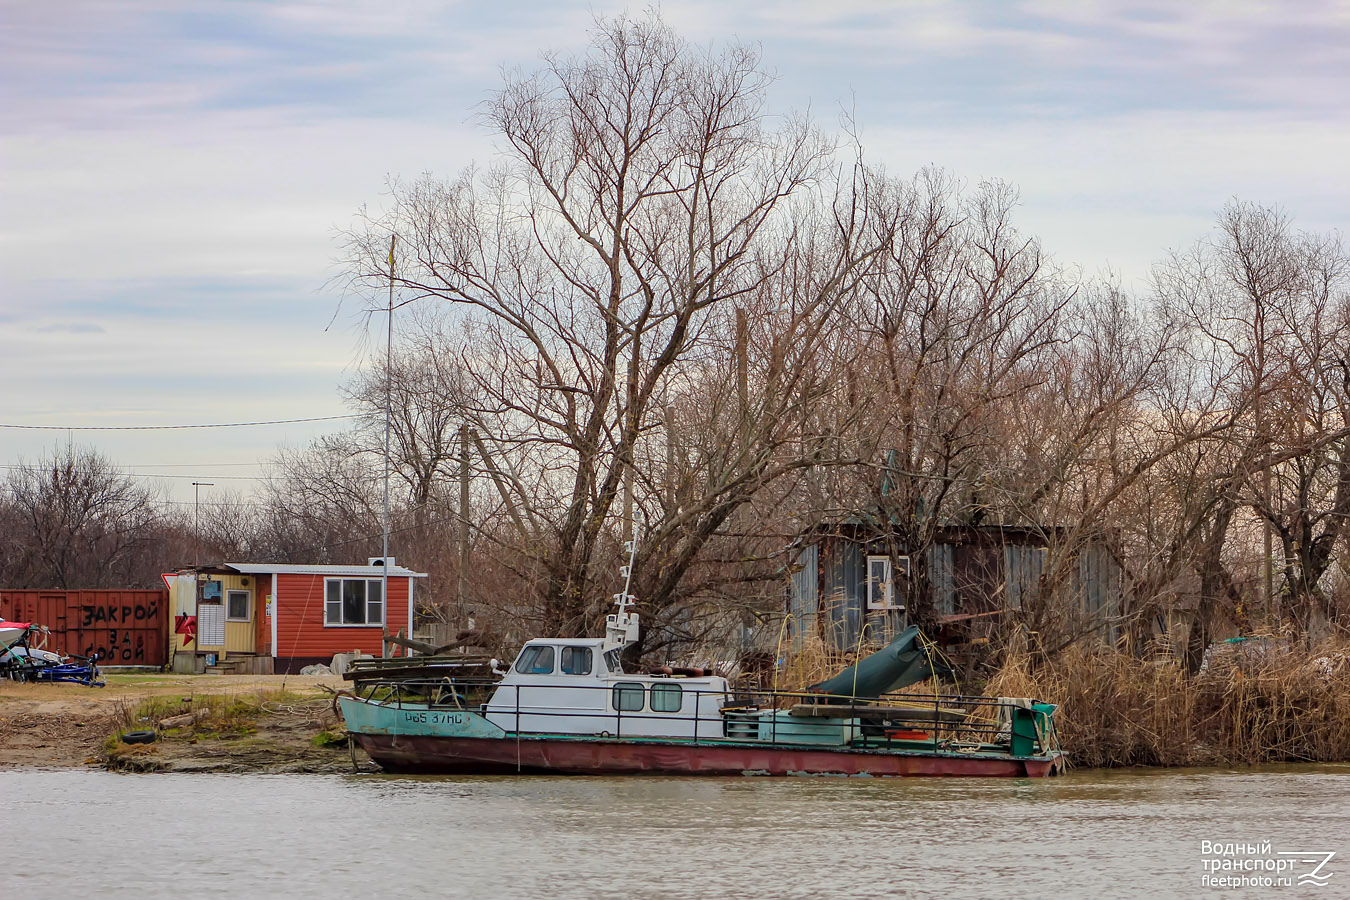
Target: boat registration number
434 718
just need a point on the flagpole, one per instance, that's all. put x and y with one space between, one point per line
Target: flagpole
388 414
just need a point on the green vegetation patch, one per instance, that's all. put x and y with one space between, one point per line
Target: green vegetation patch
190 719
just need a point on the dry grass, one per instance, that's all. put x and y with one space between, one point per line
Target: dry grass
1282 704
812 663
1115 710
216 716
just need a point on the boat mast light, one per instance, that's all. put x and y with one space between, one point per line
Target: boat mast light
621 627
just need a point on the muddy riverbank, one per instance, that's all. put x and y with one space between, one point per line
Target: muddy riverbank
262 724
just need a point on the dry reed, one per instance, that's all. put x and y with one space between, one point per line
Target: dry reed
1116 710
1283 705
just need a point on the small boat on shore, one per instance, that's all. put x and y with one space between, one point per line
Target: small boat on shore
23 657
567 706
11 633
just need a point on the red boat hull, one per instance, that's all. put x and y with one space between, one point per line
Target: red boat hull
505 756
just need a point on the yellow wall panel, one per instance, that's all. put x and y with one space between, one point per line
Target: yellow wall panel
239 636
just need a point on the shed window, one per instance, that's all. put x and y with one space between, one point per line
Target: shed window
667 697
628 696
880 582
237 606
535 661
353 601
576 660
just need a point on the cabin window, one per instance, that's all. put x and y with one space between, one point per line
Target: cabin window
614 661
535 661
880 583
236 606
628 696
576 660
667 697
353 601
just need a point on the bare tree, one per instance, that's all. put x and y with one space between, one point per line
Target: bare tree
1265 311
321 504
231 527
1296 284
79 523
642 194
955 327
428 393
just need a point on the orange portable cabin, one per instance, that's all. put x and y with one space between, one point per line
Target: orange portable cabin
259 618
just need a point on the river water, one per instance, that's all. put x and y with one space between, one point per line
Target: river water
69 833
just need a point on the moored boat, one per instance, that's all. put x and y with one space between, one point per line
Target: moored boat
567 706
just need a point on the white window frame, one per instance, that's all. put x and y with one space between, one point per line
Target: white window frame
535 651
248 605
571 650
665 689
384 604
627 687
887 600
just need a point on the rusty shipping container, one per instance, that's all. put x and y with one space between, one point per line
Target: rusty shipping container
126 628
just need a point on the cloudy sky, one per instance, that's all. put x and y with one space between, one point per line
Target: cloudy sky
173 174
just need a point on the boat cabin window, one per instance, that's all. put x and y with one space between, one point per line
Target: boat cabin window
612 661
667 697
576 660
535 661
628 696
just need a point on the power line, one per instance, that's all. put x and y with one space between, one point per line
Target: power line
255 465
196 475
40 467
171 427
189 465
212 503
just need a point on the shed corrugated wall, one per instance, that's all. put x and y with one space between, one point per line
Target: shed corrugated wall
882 625
845 593
942 577
1099 587
126 628
828 597
992 575
804 594
301 633
1022 567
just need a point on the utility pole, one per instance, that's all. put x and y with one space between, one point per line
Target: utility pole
465 435
197 518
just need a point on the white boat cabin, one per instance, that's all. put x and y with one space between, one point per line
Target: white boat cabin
575 686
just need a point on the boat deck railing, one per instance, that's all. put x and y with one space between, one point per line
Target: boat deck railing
638 710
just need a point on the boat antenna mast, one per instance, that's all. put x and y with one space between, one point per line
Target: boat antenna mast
621 627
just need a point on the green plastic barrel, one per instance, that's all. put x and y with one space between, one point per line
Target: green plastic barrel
1025 738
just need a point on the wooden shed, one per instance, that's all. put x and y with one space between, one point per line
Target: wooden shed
267 617
846 588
